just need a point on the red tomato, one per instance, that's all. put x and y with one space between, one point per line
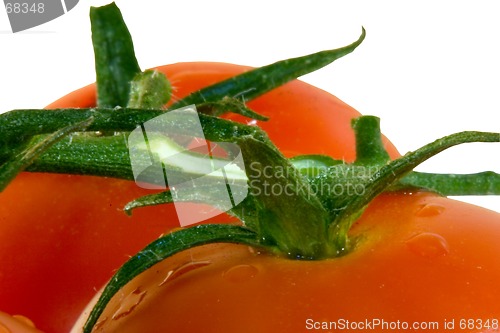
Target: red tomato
422 262
62 236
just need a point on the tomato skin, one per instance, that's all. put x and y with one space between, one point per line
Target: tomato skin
62 236
419 259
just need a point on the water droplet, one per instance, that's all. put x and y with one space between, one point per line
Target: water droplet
428 245
183 269
240 273
430 209
129 303
100 323
4 329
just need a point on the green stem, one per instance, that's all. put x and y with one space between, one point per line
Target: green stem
106 156
22 160
20 125
115 61
369 146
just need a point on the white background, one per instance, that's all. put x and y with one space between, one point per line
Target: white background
427 68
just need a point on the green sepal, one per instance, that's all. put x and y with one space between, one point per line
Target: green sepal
216 196
288 210
228 104
446 184
246 211
165 247
481 183
256 82
164 197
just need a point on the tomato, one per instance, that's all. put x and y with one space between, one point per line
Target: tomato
421 262
62 236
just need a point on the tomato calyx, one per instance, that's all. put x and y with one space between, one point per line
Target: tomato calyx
315 218
304 207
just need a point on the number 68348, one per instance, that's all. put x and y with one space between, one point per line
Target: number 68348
24 8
